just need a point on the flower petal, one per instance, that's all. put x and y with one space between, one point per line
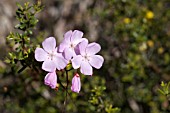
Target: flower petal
96 61
67 36
62 46
51 80
93 48
76 36
49 44
66 42
76 61
82 46
77 51
49 65
86 68
40 54
60 62
68 53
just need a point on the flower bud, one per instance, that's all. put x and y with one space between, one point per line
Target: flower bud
76 83
51 80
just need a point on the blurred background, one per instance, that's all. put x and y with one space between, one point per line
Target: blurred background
135 40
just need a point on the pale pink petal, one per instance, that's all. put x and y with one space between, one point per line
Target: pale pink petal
66 42
76 83
93 48
58 53
84 39
68 53
49 65
40 54
62 46
77 51
49 44
76 61
86 68
60 62
76 36
82 46
96 61
51 80
67 36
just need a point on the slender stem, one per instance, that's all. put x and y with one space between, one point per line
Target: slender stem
66 85
67 78
66 89
59 81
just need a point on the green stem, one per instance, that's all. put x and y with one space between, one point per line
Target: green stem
66 89
67 78
59 81
66 86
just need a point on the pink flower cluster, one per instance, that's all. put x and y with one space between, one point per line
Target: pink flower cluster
74 49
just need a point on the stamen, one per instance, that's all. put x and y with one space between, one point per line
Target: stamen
51 55
86 58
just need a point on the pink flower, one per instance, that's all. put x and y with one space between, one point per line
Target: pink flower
87 58
52 59
68 45
51 80
76 84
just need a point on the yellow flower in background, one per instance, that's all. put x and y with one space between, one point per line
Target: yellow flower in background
160 50
150 43
149 14
126 20
143 47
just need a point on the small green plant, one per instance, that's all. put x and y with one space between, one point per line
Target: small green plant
19 42
101 105
165 89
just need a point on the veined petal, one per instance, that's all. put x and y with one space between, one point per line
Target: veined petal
77 51
49 65
68 53
66 42
40 54
84 39
62 46
49 44
86 68
76 48
60 62
96 61
93 48
82 46
76 36
76 61
68 35
51 80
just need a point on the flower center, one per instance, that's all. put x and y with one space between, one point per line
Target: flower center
51 55
86 57
72 45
